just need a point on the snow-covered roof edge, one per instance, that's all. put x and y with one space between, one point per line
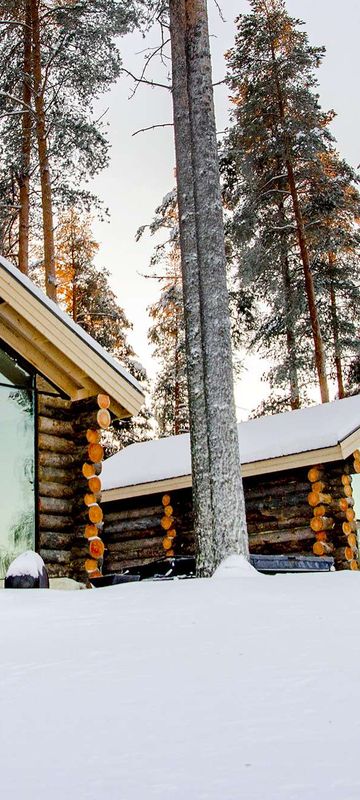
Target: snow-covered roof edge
42 298
289 440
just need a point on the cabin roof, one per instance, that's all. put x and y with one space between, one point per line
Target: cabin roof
328 432
47 337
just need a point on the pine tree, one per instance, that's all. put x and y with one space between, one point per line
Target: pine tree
85 293
279 133
334 202
274 161
57 57
167 335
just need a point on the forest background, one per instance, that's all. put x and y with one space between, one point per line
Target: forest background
141 167
147 160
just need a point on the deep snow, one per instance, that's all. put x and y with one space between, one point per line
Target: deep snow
183 690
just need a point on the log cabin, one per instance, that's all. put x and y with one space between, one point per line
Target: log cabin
301 476
59 391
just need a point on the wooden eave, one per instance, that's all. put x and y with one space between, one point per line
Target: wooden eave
338 452
54 348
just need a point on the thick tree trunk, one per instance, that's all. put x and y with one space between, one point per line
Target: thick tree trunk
200 205
45 180
335 327
203 525
24 177
226 485
177 394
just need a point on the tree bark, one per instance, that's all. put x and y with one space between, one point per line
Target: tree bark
309 287
24 177
203 523
200 200
335 327
289 315
45 179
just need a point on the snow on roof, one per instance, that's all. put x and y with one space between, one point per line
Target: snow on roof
68 321
268 437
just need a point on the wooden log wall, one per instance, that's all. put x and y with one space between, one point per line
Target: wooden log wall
57 482
277 514
70 518
299 511
91 417
134 535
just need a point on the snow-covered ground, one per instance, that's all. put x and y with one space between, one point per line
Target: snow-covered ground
238 689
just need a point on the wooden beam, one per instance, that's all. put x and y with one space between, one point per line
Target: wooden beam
40 362
59 332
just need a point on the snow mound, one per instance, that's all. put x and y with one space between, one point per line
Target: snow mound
236 566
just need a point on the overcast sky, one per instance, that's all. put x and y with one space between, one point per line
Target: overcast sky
142 166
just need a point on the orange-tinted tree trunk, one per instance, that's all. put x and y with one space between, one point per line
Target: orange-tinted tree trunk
335 327
45 178
24 177
320 361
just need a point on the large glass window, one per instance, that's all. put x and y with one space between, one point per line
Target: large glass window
17 437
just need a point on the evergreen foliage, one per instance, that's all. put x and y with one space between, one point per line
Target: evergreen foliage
79 59
167 335
86 294
288 192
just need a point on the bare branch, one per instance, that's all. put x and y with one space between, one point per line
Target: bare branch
221 15
148 82
152 127
155 51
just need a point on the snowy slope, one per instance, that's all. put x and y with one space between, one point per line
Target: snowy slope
238 689
267 437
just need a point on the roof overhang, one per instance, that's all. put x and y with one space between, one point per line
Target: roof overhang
309 458
48 339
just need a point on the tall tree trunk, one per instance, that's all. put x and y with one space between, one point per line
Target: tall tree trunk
309 287
24 177
335 328
45 179
203 524
201 204
320 361
290 336
177 379
289 314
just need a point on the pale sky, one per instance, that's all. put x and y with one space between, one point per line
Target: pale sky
142 166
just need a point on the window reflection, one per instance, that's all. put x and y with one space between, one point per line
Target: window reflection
17 527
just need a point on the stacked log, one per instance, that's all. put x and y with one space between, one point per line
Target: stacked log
91 470
276 514
167 524
134 534
334 517
320 502
56 459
